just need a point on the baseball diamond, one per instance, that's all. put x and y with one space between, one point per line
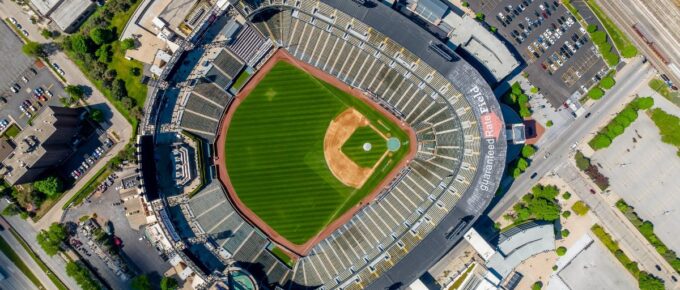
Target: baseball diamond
279 154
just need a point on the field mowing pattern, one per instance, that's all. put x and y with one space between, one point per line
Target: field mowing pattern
353 148
274 152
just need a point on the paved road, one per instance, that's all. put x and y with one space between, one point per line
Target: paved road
629 238
15 278
629 79
54 263
660 18
73 75
7 236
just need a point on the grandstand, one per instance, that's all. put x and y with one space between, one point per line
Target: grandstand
458 124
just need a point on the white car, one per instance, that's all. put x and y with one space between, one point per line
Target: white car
25 32
14 21
61 72
582 30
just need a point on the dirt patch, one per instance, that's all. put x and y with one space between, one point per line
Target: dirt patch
338 132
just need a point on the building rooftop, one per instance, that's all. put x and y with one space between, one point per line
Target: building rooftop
6 148
519 244
483 45
69 11
32 144
45 7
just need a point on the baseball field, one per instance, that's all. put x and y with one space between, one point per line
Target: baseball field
301 152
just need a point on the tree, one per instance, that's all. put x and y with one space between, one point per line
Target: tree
51 186
596 93
565 233
549 123
516 89
607 83
598 37
561 251
612 59
466 4
566 214
97 115
544 209
614 130
75 91
102 35
50 240
168 283
648 282
643 103
127 43
80 43
537 285
141 282
11 210
33 49
528 151
104 53
522 164
493 29
46 33
118 90
566 195
480 16
580 208
135 71
592 28
82 276
600 141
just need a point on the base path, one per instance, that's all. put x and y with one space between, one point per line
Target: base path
295 250
342 167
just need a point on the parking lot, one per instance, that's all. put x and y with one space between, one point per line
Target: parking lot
558 53
108 207
20 77
95 146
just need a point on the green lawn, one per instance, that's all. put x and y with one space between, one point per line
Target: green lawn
353 148
274 152
12 131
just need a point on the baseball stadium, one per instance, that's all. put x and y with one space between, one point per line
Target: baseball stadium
347 147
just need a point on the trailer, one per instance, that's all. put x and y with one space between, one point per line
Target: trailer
643 33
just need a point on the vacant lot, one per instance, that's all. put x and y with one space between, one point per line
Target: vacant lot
275 158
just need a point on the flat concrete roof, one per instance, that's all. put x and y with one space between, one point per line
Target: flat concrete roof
602 270
45 6
68 12
482 44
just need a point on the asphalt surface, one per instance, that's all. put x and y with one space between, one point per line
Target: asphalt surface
14 62
143 254
629 79
559 69
30 263
15 279
629 238
660 19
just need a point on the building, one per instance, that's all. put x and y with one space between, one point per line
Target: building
43 145
466 34
71 13
514 246
66 14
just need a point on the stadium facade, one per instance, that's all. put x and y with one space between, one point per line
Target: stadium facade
403 67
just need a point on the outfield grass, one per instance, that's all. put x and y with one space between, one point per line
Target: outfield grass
353 148
274 152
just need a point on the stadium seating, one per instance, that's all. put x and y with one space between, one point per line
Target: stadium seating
381 233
